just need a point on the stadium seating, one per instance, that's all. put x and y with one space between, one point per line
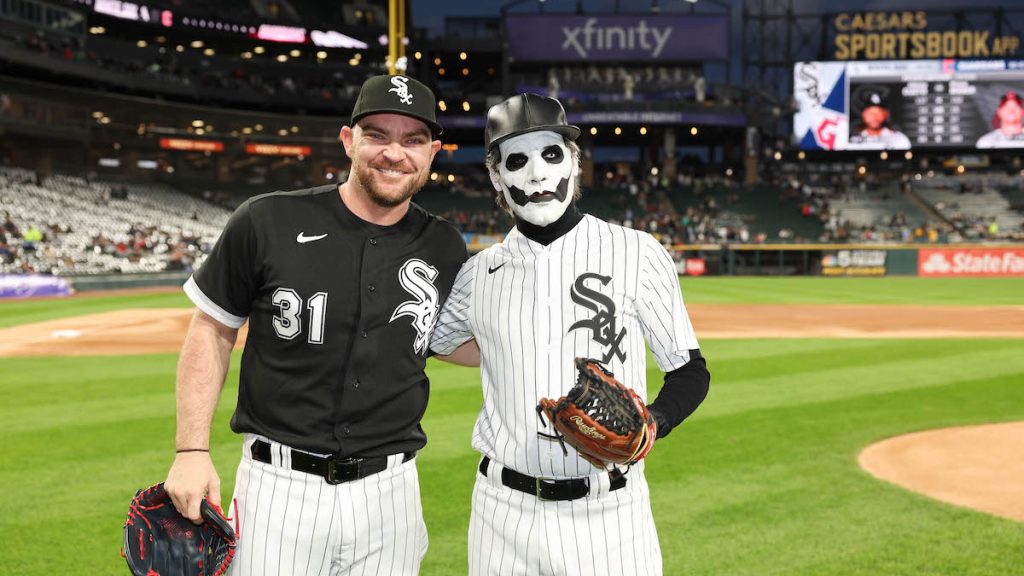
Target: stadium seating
972 204
89 230
876 206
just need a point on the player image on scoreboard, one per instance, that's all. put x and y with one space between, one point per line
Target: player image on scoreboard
872 125
1006 121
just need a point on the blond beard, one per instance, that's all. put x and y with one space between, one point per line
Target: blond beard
365 178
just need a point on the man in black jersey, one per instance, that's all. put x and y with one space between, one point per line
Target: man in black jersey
341 287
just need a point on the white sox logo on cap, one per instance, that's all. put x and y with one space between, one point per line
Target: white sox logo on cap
401 89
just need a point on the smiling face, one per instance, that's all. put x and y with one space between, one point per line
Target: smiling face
391 156
536 175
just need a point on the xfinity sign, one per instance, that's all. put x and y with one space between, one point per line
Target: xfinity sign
592 36
553 38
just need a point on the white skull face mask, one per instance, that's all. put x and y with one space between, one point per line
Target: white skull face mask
537 175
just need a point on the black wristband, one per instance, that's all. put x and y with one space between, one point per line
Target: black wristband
192 450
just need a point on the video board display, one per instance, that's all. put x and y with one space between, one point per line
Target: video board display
906 104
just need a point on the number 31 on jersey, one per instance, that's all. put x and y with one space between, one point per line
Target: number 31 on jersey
288 324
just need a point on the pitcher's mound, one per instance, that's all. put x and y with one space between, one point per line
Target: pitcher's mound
980 467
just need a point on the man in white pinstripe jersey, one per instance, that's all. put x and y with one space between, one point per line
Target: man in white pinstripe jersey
561 285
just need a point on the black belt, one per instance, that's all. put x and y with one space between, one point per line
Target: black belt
334 470
545 489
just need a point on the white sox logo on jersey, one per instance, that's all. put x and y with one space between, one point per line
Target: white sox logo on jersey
401 88
417 278
602 324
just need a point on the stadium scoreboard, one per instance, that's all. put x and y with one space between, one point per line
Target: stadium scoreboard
905 104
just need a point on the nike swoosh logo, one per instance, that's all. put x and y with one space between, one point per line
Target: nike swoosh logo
495 269
302 239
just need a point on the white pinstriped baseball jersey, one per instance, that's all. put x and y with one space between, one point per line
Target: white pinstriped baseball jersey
598 291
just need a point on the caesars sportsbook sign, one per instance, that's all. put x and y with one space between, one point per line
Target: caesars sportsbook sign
554 38
919 35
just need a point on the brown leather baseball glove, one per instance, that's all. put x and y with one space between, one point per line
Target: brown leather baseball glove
606 422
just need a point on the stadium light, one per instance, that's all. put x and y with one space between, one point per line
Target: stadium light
618 131
960 169
654 170
728 171
141 44
442 105
463 56
258 127
778 155
862 170
593 130
440 71
198 123
909 155
259 49
884 155
693 131
246 55
295 129
451 177
196 44
433 176
282 58
643 130
295 53
209 52
465 71
801 155
418 55
437 61
321 55
246 130
179 48
282 132
465 105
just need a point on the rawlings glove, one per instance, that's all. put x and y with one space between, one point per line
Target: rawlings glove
160 542
603 420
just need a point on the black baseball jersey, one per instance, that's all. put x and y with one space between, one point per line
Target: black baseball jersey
340 314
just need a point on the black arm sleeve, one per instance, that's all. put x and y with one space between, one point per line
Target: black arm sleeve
685 388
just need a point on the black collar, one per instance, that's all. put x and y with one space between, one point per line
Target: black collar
547 234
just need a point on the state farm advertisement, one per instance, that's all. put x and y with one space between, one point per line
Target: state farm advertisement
971 262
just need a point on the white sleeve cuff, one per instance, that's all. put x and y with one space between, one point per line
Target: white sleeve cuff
195 294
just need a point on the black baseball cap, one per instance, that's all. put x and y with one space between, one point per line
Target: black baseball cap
397 94
524 113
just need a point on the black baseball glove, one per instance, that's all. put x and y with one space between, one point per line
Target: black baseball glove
158 541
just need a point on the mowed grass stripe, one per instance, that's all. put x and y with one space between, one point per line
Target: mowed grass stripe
14 312
886 290
906 365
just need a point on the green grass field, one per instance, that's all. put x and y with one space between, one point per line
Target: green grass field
761 480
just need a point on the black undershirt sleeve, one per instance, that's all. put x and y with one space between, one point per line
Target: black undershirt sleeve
685 388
